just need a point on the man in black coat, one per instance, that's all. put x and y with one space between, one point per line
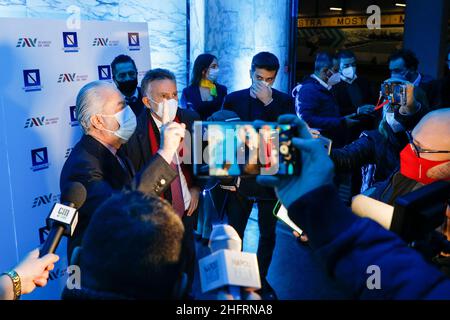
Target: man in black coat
125 74
159 91
259 102
97 160
354 94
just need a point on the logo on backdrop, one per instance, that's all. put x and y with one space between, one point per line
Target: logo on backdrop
70 41
104 72
73 116
133 41
40 122
71 77
32 43
39 159
45 199
104 42
32 80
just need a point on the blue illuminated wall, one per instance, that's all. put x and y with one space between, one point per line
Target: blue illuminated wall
235 30
166 23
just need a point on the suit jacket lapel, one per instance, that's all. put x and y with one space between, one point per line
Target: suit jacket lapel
142 129
110 164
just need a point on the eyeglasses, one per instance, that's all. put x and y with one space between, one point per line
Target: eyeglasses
418 150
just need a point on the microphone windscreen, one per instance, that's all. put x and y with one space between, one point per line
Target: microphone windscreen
224 236
74 192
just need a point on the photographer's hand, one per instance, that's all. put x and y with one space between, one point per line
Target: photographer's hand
411 106
366 109
316 166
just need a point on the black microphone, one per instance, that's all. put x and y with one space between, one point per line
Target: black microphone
63 218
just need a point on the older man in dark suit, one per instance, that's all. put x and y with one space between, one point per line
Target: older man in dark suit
97 160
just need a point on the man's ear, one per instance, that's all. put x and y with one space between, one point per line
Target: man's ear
146 101
95 122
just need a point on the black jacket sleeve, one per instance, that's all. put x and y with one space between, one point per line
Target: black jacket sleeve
155 178
355 155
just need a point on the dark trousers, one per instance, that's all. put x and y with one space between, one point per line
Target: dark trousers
238 209
188 257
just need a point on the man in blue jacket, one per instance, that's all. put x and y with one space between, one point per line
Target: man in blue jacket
350 247
315 103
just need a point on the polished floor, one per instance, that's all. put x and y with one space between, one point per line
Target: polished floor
294 272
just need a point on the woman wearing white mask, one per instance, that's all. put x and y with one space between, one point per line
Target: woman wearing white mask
204 94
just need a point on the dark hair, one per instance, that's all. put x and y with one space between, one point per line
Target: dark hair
323 60
411 61
201 64
153 75
345 54
132 247
265 60
121 59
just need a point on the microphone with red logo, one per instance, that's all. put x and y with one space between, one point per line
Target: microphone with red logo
63 218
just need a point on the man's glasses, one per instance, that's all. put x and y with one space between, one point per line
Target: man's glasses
418 150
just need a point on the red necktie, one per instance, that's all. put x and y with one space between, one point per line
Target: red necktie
175 186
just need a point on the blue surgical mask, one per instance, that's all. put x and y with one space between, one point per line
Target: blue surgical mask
213 74
127 123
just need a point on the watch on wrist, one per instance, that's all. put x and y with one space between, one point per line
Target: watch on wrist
17 287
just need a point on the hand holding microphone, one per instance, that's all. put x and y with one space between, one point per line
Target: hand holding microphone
64 216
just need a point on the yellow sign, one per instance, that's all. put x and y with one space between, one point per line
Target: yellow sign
349 21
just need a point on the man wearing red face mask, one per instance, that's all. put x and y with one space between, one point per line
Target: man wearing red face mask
424 160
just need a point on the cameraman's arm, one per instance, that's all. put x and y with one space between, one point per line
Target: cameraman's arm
349 245
354 155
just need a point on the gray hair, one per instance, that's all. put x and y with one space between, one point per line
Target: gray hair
323 60
90 102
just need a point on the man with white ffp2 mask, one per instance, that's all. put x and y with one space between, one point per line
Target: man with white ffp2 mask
159 92
354 94
314 102
98 161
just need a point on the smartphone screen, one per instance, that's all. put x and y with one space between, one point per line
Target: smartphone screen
244 149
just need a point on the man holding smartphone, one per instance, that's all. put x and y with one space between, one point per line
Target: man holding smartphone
259 102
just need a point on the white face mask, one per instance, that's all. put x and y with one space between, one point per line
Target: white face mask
127 123
213 74
349 72
394 124
173 107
